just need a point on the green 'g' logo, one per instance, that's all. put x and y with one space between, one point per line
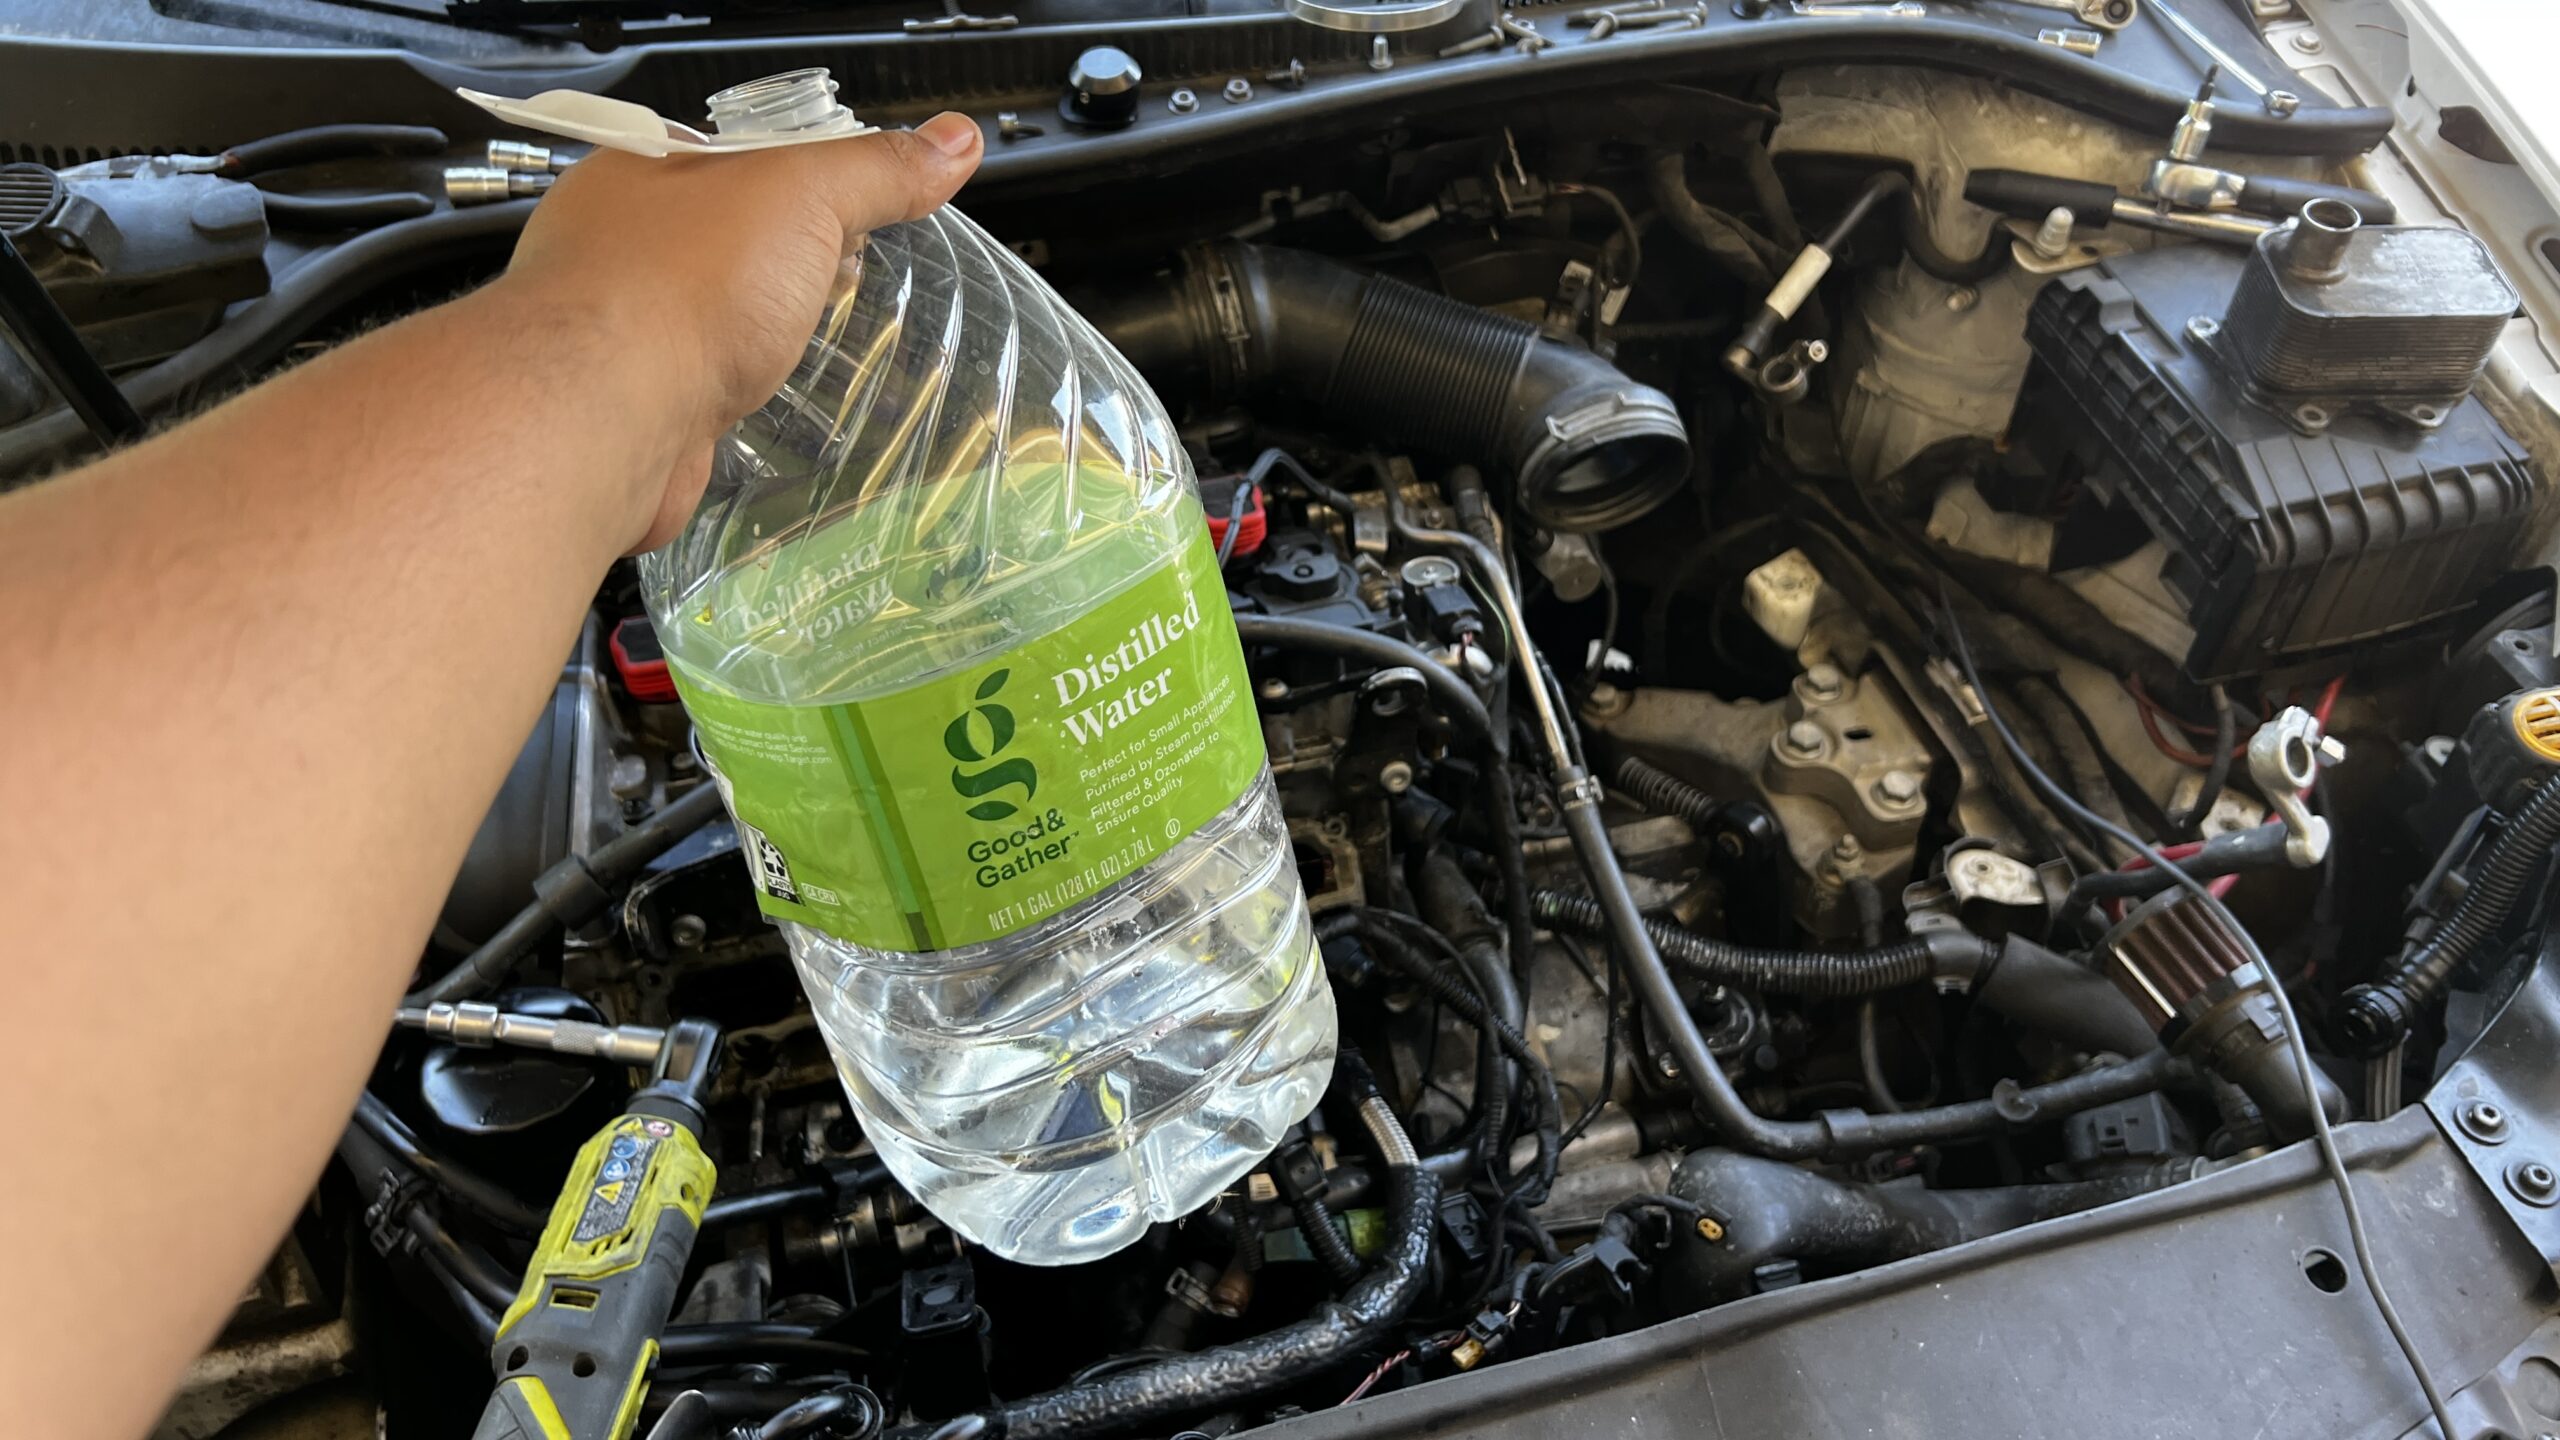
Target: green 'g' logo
981 733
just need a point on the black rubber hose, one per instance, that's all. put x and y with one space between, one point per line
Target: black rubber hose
2373 1018
1451 906
1771 1211
1450 694
857 1177
327 142
1332 1251
1583 446
1822 974
484 1197
574 889
2217 771
1838 1132
259 331
756 1340
1232 1375
1740 250
345 212
478 1273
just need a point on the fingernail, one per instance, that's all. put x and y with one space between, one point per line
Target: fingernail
950 132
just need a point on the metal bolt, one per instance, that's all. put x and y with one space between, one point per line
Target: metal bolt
1729 845
688 932
2306 41
1823 681
1805 738
1380 57
1667 1067
1239 90
1009 126
1604 26
1274 688
2203 327
1293 75
1898 787
2053 237
1963 298
1847 851
2281 103
2482 1121
2533 1182
1472 44
1183 102
1710 1229
1395 777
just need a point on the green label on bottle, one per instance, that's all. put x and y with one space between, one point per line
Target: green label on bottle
966 807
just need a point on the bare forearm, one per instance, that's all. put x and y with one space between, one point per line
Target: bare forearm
264 673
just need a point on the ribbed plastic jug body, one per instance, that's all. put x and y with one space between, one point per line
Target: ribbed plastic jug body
957 652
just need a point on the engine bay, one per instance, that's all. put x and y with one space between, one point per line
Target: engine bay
1746 575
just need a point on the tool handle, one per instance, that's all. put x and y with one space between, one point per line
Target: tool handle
575 1351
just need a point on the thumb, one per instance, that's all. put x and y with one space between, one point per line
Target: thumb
881 179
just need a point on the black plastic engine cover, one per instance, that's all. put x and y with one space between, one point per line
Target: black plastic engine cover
2285 537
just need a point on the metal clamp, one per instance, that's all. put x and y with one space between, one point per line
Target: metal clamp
2285 757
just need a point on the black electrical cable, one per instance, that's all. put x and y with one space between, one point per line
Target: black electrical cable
488 1199
2260 847
2304 1071
855 1177
1455 701
2217 773
53 342
753 1340
478 1273
1393 945
572 890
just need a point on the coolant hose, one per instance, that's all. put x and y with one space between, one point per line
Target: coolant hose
2373 1018
1835 1132
1583 447
1182 1385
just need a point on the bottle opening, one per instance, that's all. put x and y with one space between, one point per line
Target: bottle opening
782 104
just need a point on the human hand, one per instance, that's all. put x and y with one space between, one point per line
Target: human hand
714 269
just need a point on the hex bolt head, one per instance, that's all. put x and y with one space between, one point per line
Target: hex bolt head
1274 688
1847 851
2534 1183
1898 788
1395 777
1805 738
687 932
1182 102
1823 681
1293 75
2482 1121
1963 298
1238 90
